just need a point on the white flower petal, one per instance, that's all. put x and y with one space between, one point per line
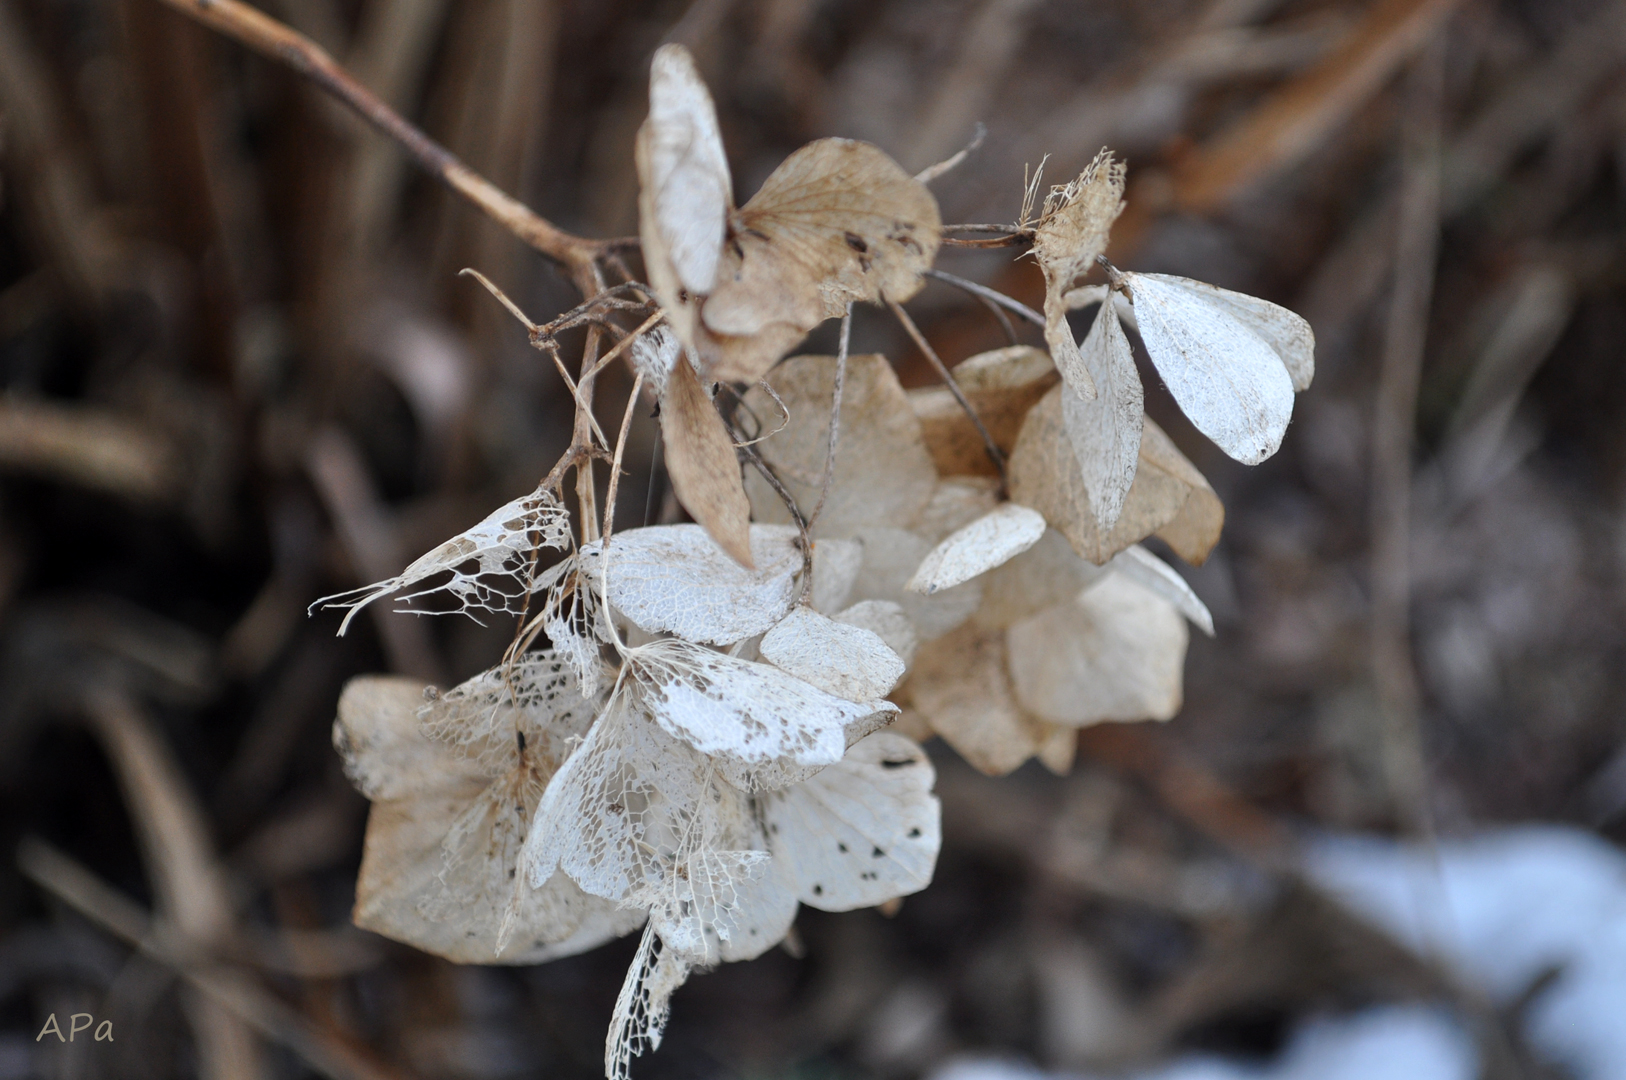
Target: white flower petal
862 831
838 658
688 170
1225 377
1285 331
1033 581
675 579
891 557
746 715
1105 432
502 549
1150 572
886 621
990 541
642 1007
535 698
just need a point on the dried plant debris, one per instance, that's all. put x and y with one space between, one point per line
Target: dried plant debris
838 221
491 567
1070 235
701 462
1001 386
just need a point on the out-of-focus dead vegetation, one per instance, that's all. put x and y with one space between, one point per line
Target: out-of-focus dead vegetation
240 371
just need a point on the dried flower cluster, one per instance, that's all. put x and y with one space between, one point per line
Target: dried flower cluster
700 748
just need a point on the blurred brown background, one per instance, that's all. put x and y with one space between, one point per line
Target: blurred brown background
240 372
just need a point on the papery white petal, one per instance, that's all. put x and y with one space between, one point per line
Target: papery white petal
1225 377
838 658
748 716
1034 580
675 579
886 621
862 831
688 170
987 542
502 548
1105 432
1285 331
1150 572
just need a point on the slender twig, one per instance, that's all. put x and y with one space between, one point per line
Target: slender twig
992 296
835 416
615 463
784 414
932 172
994 453
621 346
265 35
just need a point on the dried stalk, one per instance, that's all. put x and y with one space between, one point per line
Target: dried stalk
943 373
270 38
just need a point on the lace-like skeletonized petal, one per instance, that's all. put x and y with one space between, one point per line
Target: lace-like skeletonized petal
752 717
675 579
838 658
990 541
535 699
502 549
640 818
1225 377
643 1005
861 832
443 840
574 621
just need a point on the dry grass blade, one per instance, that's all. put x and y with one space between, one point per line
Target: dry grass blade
91 447
1301 115
281 43
120 916
701 462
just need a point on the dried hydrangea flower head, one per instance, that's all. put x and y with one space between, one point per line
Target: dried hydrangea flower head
700 748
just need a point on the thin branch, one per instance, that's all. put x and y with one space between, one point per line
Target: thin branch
615 464
621 346
265 35
835 415
992 296
994 453
932 172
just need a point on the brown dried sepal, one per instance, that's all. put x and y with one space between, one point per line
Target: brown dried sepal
1002 385
883 474
1168 494
838 221
1071 234
961 685
701 462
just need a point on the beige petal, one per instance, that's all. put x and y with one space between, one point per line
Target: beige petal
687 171
1115 653
838 221
1045 474
1071 233
1196 528
1002 386
1227 379
385 754
1059 749
886 621
956 503
987 542
838 658
883 475
960 685
835 567
700 460
1033 581
891 557
1151 572
1105 432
